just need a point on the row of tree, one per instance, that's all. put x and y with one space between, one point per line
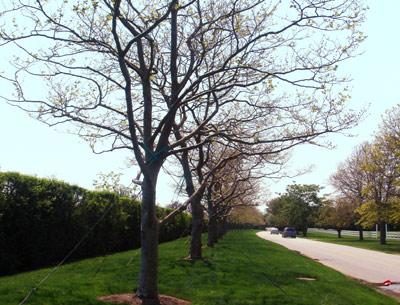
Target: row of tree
226 87
368 181
302 207
367 186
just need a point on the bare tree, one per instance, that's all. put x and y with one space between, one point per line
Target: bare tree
221 161
194 167
369 177
338 214
390 130
111 182
233 186
350 180
125 72
246 217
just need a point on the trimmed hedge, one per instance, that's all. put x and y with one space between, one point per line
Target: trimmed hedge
41 220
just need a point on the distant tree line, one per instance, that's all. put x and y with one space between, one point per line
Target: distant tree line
367 189
302 207
369 179
42 220
246 217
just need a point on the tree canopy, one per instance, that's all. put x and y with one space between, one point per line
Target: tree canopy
337 214
297 207
128 74
371 176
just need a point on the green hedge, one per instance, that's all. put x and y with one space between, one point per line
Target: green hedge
41 220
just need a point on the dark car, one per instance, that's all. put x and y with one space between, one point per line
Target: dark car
289 232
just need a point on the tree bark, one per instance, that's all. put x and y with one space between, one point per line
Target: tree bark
212 226
304 230
197 228
221 228
360 233
382 227
196 208
149 232
225 226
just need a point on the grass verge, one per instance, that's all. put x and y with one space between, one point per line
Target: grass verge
241 270
392 246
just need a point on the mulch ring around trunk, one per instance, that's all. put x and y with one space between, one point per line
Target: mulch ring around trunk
132 299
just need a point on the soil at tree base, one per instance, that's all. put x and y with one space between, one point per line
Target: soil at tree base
132 299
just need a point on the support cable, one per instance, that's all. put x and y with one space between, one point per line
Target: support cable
77 245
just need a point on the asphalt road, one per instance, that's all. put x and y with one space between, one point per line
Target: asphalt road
367 265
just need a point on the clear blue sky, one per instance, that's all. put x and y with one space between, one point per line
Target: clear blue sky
30 147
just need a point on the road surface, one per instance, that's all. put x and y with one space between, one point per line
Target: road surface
367 265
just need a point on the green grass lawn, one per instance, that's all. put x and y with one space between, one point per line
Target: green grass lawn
242 269
392 246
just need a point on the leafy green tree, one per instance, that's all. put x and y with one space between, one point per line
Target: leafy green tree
297 207
394 216
273 214
382 168
305 204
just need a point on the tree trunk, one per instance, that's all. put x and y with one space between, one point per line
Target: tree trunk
196 209
212 232
304 230
225 226
360 233
197 228
212 226
339 233
148 280
382 227
221 228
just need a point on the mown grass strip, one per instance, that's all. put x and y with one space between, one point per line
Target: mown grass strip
241 270
392 246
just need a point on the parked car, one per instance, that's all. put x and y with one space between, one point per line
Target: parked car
289 232
274 230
